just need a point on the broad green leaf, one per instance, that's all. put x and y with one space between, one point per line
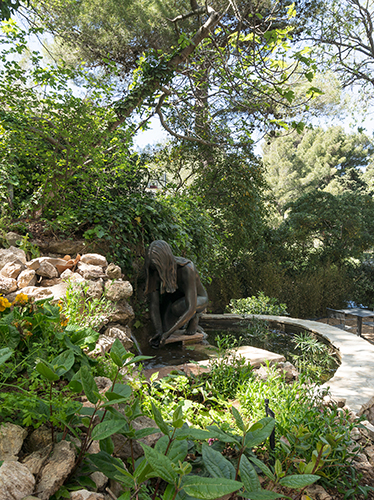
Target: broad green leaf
63 362
105 429
248 475
161 464
238 419
191 433
258 436
118 353
107 445
162 425
222 436
162 444
169 492
44 370
216 464
5 354
141 433
209 488
263 495
298 481
89 385
264 468
106 464
119 391
178 451
178 417
125 496
137 359
142 470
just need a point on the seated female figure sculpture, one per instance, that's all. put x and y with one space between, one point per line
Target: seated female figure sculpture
175 291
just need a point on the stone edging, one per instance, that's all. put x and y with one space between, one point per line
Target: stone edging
353 380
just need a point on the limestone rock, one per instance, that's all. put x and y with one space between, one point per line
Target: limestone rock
11 254
12 269
68 275
95 289
13 238
50 281
58 291
65 247
113 272
103 345
369 452
89 271
36 460
288 370
26 278
16 481
103 384
86 495
122 314
118 290
99 479
368 429
316 492
122 333
47 270
11 440
94 259
56 470
36 292
7 285
39 438
122 447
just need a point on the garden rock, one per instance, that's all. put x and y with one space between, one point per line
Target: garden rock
316 492
26 278
113 272
7 285
288 370
11 254
56 470
94 259
122 333
65 247
118 290
12 238
99 479
47 270
36 460
122 447
37 293
368 430
16 481
103 345
11 441
46 282
95 289
12 269
103 384
86 495
122 314
90 272
40 438
369 452
68 275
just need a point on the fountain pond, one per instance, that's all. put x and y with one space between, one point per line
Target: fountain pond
303 349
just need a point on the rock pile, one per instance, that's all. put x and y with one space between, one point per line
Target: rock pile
48 277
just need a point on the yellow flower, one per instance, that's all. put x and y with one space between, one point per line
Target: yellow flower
4 304
64 322
21 299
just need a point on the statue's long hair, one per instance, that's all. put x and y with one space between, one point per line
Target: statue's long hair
160 255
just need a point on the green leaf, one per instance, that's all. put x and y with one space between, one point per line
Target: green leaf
106 464
209 488
191 433
222 436
105 429
46 372
248 475
118 353
298 481
178 417
5 354
141 433
238 419
178 451
216 464
161 464
258 436
89 385
119 391
264 468
63 362
169 492
107 445
160 422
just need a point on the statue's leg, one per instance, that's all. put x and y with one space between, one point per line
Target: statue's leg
192 325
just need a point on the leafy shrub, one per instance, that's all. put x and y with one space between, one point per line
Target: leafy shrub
257 305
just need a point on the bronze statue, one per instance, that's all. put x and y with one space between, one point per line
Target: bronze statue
176 293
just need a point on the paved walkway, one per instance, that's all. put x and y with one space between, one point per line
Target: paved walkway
353 380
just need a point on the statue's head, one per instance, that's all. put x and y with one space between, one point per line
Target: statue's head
160 258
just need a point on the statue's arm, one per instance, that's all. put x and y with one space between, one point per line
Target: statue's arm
154 309
190 296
